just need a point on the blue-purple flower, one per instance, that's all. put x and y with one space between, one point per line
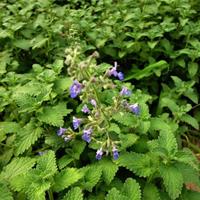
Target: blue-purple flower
115 153
134 108
113 72
125 92
75 89
61 131
87 135
93 102
120 76
76 122
99 154
85 109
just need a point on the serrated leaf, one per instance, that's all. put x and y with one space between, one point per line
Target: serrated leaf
190 120
109 169
190 175
187 156
77 148
150 192
173 180
168 141
64 161
114 194
74 194
125 118
131 189
16 167
46 164
9 127
66 178
92 175
5 193
140 164
53 115
128 140
114 128
27 136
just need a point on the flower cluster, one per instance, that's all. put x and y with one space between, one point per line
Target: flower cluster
93 127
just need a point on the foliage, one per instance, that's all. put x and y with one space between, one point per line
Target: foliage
144 128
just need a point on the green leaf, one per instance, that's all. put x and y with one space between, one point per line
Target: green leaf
140 164
92 175
9 127
109 169
190 175
190 120
192 69
173 180
187 156
27 136
74 194
53 115
5 193
148 70
131 189
125 118
114 194
46 164
66 178
128 140
16 167
22 44
150 192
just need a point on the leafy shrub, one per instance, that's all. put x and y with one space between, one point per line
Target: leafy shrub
118 79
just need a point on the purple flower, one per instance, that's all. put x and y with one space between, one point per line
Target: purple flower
87 135
76 122
115 153
93 102
120 76
99 154
75 89
113 71
85 109
61 131
135 108
125 91
67 138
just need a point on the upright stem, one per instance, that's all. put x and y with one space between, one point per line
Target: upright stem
50 194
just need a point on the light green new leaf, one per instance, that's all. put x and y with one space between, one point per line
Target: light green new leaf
46 164
9 127
16 167
74 194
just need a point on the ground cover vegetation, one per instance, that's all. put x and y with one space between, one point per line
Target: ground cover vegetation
99 99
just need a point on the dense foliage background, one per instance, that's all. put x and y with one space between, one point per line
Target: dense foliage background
156 44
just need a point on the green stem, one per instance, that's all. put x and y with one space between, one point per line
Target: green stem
50 193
